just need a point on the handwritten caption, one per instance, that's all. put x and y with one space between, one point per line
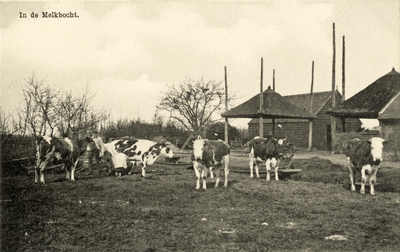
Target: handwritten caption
51 14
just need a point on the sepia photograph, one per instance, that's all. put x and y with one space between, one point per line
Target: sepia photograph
220 125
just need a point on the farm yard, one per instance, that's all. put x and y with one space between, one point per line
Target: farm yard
312 210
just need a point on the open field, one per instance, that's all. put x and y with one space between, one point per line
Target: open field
164 212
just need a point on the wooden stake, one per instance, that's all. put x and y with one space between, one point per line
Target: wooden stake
273 86
310 130
226 108
343 84
261 101
333 119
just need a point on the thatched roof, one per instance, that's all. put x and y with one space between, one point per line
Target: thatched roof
274 106
392 109
320 99
370 101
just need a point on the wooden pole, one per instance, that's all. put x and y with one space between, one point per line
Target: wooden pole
226 108
343 83
261 101
343 71
310 130
333 119
273 87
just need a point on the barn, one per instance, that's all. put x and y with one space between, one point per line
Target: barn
380 100
297 130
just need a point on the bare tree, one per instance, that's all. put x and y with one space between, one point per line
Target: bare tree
76 115
194 103
46 110
37 114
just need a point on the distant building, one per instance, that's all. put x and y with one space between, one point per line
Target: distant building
297 130
380 100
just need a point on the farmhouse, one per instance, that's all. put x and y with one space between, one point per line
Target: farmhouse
380 100
297 130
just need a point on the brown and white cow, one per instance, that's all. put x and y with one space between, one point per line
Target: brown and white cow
210 153
51 150
140 151
364 156
268 150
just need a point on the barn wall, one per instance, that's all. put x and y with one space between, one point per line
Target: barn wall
297 130
390 131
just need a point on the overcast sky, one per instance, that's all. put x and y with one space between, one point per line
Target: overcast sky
129 52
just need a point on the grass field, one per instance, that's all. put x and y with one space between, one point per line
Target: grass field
164 212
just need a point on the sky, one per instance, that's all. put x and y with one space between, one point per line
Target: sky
129 52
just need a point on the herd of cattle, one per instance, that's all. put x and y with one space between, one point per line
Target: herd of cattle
362 156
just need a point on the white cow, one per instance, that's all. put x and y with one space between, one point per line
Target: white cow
364 156
140 151
210 153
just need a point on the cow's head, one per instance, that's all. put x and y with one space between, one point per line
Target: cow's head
280 144
376 149
273 162
198 146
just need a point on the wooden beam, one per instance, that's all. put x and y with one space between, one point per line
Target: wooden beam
333 119
273 87
226 108
261 133
310 129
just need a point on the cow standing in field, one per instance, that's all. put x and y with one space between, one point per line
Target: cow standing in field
269 150
364 156
210 153
140 151
51 150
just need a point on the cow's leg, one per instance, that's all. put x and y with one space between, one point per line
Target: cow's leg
251 164
276 170
211 174
268 167
364 177
68 173
351 170
73 170
196 170
42 167
36 174
204 177
226 170
144 169
372 179
217 174
256 168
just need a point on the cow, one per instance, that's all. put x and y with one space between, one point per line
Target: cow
51 150
140 151
269 150
210 153
364 156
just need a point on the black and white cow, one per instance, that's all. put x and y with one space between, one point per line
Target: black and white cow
364 156
210 153
268 150
51 150
140 151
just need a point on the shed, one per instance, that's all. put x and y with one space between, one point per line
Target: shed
380 100
274 107
297 129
